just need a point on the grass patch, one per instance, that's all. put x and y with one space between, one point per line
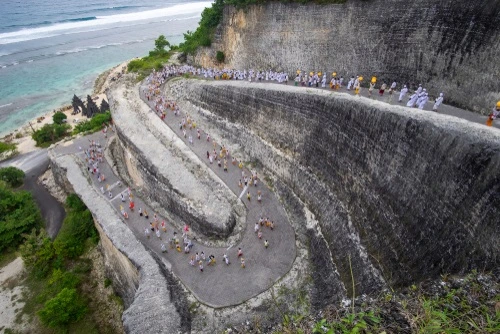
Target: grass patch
8 150
144 66
94 124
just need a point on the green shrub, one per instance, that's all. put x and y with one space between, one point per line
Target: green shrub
144 66
94 124
5 147
19 214
220 56
77 227
63 309
160 44
8 150
38 253
50 133
59 118
12 176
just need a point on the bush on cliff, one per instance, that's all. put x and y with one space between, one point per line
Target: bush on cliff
155 60
63 309
78 226
58 287
94 124
220 56
8 150
12 176
18 215
202 36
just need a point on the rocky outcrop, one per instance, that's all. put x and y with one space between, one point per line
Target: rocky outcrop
147 288
449 46
399 195
151 157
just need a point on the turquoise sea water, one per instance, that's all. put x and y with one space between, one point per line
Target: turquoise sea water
52 49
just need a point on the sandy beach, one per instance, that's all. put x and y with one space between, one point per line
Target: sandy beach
22 135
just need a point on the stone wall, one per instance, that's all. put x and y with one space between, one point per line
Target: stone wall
404 195
449 46
150 157
153 301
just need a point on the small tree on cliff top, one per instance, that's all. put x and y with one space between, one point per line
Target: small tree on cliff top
160 44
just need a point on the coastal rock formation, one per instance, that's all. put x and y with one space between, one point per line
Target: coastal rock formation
151 157
449 46
399 196
133 268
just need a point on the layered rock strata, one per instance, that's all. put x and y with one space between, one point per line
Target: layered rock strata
399 195
138 276
449 46
152 158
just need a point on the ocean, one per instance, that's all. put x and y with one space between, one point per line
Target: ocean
52 49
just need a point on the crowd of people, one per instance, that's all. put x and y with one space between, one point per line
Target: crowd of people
217 153
417 98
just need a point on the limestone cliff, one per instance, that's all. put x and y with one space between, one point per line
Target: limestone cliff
449 46
405 195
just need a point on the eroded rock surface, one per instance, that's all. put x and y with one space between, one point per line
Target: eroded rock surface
405 194
449 46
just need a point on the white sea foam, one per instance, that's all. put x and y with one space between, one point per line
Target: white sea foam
5 105
63 28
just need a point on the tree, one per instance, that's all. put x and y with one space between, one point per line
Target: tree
92 108
19 214
104 106
160 44
12 176
59 117
63 309
37 252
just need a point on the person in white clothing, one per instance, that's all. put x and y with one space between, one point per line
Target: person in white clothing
419 89
403 93
438 102
392 88
423 101
413 100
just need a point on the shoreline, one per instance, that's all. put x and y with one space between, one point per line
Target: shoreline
22 135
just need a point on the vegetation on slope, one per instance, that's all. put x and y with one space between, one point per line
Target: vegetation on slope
59 291
155 60
94 124
469 304
19 213
7 150
211 17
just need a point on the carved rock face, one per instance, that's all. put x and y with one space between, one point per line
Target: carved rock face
406 195
448 46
